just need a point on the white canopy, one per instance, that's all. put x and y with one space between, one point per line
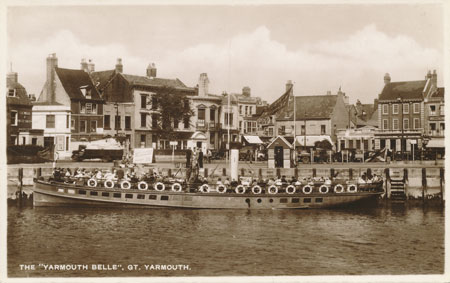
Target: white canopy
109 143
311 140
436 143
253 139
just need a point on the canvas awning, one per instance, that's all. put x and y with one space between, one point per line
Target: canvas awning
311 140
436 143
253 140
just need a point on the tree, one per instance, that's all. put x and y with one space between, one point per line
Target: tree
324 144
173 107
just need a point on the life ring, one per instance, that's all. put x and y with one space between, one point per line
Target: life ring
327 189
240 189
352 188
159 186
273 190
290 189
256 190
176 187
125 185
307 189
204 188
338 189
142 185
221 189
109 184
92 182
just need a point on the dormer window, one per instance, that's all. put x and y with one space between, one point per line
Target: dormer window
85 90
11 92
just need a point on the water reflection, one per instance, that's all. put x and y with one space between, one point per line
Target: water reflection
368 240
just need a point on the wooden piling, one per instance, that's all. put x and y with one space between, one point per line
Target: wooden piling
20 184
441 184
406 182
424 183
388 180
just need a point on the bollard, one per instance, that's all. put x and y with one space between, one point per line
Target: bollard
424 183
224 171
441 184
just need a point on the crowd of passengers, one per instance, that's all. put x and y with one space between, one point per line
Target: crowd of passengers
80 176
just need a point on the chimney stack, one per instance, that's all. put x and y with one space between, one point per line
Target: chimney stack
434 78
203 85
290 86
387 78
91 66
52 63
151 70
119 66
428 76
84 65
11 78
246 91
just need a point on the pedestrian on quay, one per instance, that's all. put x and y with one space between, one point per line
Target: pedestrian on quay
200 158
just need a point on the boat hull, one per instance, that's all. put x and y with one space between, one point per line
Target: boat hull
59 194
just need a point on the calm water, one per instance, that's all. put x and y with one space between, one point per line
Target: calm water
394 240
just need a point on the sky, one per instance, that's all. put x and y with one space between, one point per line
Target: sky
319 47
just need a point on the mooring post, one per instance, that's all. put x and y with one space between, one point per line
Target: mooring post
441 183
20 184
388 181
406 181
424 183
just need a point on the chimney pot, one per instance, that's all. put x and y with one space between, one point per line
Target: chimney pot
119 66
11 78
387 78
151 70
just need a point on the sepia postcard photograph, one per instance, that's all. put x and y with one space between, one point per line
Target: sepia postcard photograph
215 142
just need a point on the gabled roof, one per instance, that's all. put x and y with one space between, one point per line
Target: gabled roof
403 90
156 82
101 78
72 80
439 92
310 107
279 138
21 97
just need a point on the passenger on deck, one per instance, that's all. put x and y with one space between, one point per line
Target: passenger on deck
327 181
254 183
270 182
98 175
293 180
227 182
283 179
219 182
278 182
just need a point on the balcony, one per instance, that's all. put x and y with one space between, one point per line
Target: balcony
213 126
201 125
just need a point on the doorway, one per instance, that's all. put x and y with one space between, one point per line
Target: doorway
49 141
278 157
